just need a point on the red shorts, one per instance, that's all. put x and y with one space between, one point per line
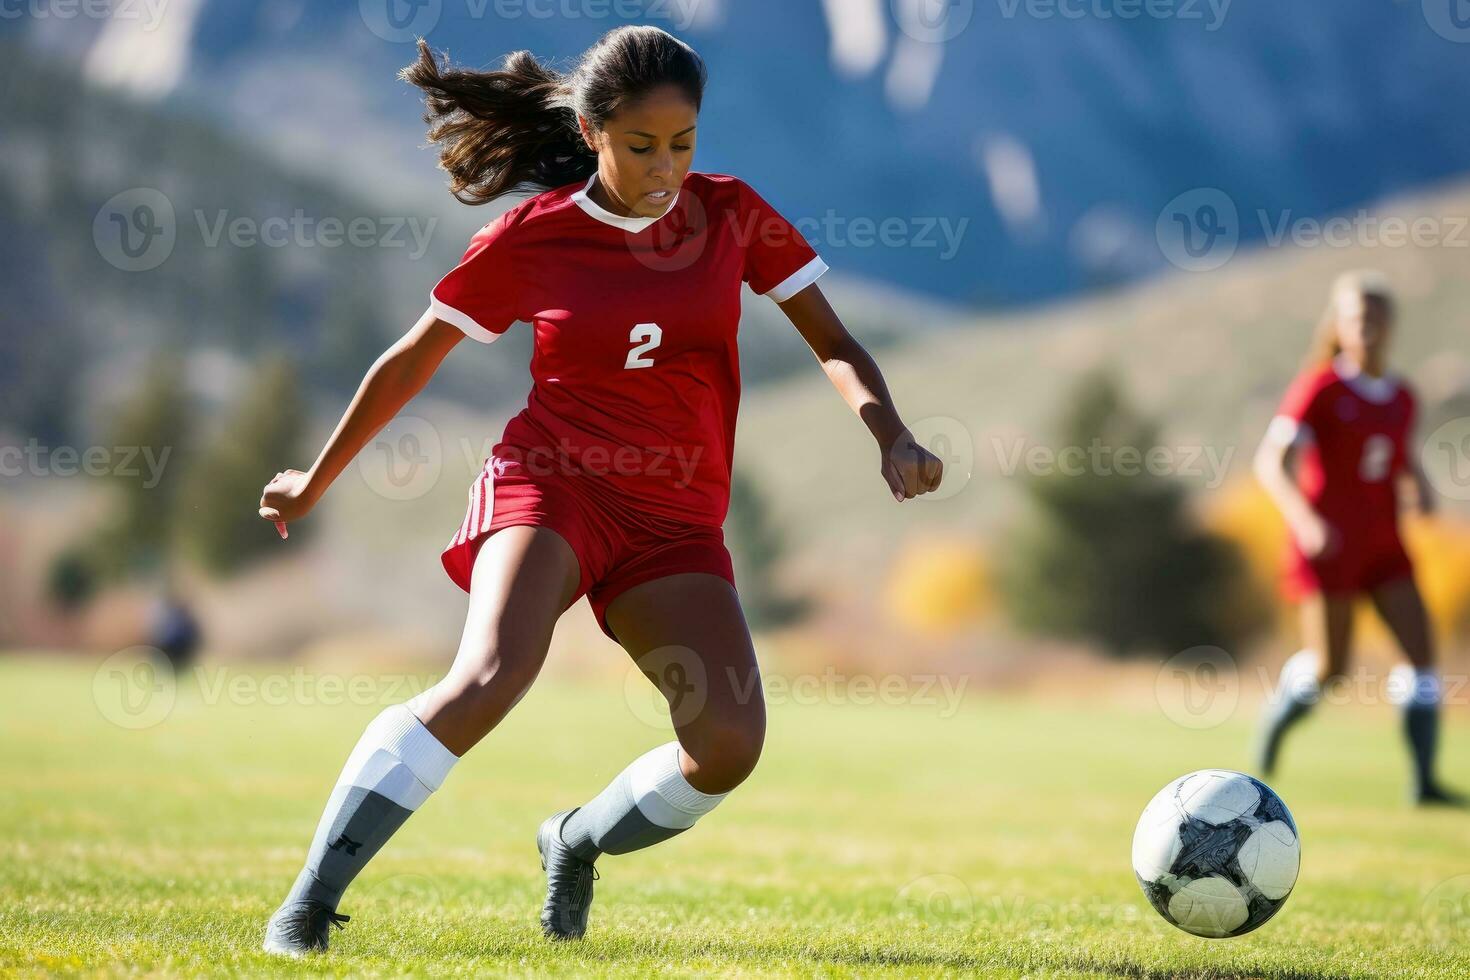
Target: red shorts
617 546
1352 568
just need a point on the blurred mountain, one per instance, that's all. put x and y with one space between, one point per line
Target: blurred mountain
1208 354
1046 136
133 230
128 226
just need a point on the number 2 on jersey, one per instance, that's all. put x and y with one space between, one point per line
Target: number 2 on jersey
651 335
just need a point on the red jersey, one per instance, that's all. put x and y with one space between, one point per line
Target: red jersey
635 375
1355 433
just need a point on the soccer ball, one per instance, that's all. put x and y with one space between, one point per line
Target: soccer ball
1217 853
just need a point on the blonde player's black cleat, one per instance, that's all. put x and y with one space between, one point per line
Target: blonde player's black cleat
302 927
1437 795
569 881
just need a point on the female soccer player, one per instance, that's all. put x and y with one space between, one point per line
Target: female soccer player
1333 460
614 481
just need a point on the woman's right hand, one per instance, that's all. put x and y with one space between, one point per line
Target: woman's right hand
287 498
1314 536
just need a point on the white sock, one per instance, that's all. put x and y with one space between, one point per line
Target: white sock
396 764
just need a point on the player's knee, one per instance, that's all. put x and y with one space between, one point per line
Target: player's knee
496 680
725 750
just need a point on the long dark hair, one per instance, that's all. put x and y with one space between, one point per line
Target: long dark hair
516 128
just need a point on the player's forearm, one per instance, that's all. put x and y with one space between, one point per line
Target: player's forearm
393 380
855 375
1423 491
1274 475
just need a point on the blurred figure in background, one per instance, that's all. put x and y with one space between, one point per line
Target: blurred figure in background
1335 460
173 628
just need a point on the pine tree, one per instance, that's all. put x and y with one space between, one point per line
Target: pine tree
1114 557
152 432
221 527
755 551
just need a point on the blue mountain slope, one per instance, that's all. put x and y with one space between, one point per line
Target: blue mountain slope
1087 124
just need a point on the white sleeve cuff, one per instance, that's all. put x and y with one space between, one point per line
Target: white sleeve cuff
1287 431
798 280
463 321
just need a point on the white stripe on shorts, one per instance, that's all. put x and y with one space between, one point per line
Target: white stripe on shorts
472 519
489 477
464 525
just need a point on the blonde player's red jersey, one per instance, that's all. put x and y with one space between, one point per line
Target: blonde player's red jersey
1354 431
636 378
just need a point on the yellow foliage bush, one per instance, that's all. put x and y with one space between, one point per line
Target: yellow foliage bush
938 586
1440 547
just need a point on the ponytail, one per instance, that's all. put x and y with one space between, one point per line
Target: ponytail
500 131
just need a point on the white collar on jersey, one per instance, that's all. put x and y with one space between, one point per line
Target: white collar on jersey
616 220
1380 391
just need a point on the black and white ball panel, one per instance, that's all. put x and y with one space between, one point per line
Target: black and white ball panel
1217 853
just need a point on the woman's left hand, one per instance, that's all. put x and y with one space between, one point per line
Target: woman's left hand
910 469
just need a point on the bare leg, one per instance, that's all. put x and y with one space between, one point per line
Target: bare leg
524 577
687 634
522 580
1326 624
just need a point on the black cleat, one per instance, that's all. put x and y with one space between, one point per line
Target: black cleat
1437 795
568 882
299 928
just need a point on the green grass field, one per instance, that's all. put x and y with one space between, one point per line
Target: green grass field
873 840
